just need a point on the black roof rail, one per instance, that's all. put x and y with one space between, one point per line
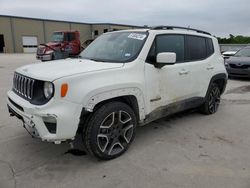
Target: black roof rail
177 27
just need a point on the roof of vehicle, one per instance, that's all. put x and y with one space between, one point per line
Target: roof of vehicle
163 27
66 31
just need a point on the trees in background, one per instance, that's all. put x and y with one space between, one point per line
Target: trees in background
234 40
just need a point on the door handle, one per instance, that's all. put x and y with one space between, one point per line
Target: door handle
183 72
210 67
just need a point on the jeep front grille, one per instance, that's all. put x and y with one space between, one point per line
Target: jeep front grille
23 86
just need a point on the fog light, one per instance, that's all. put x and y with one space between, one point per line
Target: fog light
50 123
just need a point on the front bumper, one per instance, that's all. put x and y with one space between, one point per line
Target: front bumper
44 57
244 73
66 114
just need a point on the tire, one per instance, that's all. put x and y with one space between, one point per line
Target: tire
110 130
212 102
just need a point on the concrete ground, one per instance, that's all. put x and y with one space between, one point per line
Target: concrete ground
188 150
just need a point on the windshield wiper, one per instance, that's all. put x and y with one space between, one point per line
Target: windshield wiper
86 58
97 60
93 59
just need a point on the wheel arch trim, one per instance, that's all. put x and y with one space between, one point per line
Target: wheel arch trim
221 76
116 93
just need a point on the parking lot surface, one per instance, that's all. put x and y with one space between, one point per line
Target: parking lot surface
187 150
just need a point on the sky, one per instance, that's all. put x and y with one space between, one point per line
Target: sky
219 17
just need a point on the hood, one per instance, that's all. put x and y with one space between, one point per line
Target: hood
239 60
51 44
53 70
54 44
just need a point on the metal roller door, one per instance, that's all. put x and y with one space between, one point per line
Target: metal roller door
29 44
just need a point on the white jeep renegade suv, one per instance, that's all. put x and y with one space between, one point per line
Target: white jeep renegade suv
122 80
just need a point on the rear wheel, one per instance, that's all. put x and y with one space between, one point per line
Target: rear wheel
110 130
212 102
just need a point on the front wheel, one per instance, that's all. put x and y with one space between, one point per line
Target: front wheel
110 130
212 102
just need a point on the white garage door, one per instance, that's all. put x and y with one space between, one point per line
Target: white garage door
29 44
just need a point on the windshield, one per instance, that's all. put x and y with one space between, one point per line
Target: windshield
115 47
245 52
57 37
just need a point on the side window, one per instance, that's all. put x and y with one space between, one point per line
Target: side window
71 36
171 43
196 48
167 43
210 47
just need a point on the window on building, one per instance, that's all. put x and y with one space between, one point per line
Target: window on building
105 30
2 45
96 32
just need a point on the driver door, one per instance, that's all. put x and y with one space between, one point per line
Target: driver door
171 83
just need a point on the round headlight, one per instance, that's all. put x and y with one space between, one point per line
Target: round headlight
48 89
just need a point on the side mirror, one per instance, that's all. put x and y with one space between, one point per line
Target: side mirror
166 58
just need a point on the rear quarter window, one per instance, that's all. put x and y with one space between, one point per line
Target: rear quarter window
210 47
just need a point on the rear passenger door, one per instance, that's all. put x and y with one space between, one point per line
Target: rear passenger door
198 57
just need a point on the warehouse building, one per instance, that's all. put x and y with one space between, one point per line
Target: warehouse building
21 34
